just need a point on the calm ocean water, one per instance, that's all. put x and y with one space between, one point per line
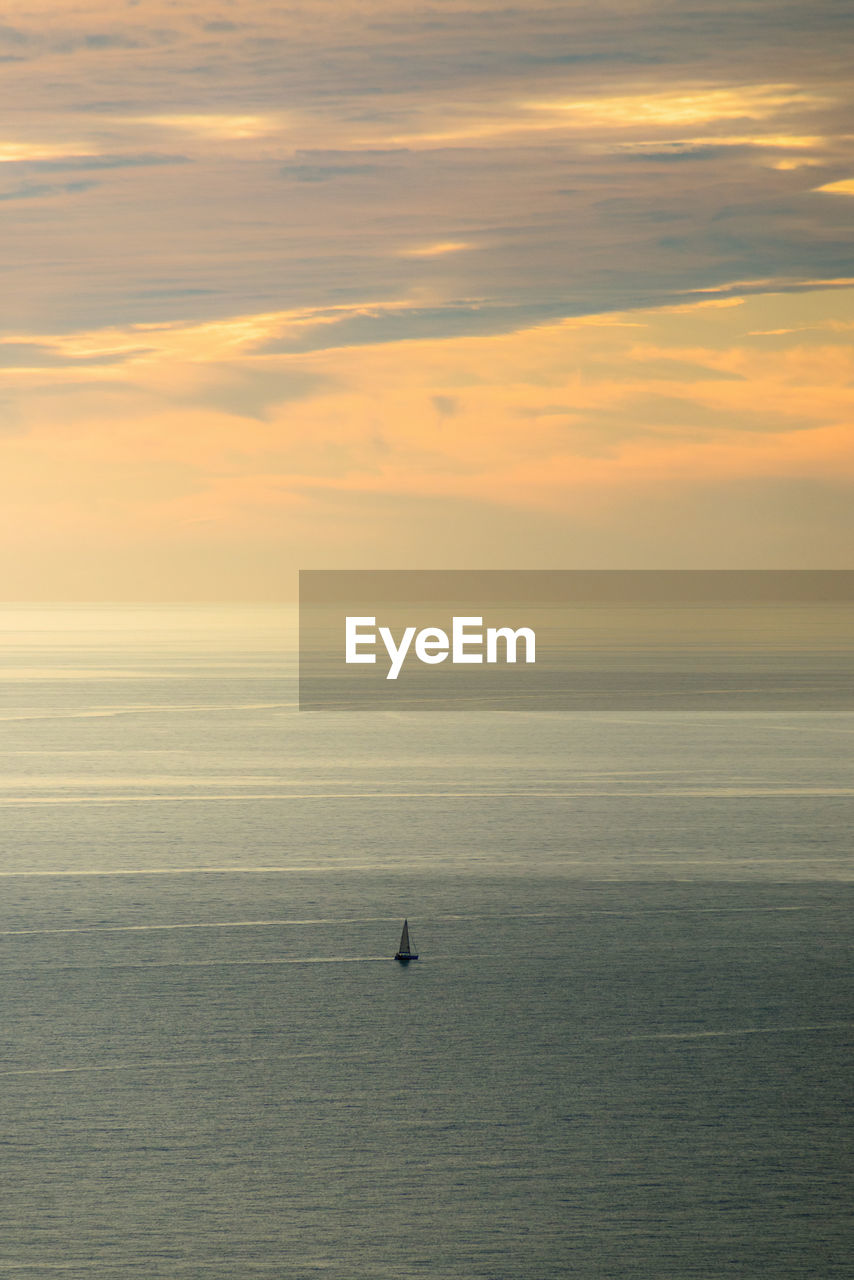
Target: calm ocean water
625 1050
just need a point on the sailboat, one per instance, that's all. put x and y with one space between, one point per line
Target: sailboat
404 951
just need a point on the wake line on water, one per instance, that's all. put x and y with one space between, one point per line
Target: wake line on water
726 1032
234 1265
208 924
622 864
179 1064
108 713
157 1065
192 871
206 797
336 920
255 962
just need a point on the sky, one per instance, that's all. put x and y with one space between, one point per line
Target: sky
365 285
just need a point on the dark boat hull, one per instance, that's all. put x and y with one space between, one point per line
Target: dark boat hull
405 957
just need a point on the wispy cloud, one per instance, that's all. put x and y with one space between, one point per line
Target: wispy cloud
217 126
305 171
438 250
689 105
131 160
843 187
24 355
646 106
12 35
41 190
20 152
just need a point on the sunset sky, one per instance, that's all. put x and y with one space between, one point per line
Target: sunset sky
339 285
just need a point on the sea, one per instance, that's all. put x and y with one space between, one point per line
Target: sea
625 1050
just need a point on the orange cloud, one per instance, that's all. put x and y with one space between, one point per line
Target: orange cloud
585 419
